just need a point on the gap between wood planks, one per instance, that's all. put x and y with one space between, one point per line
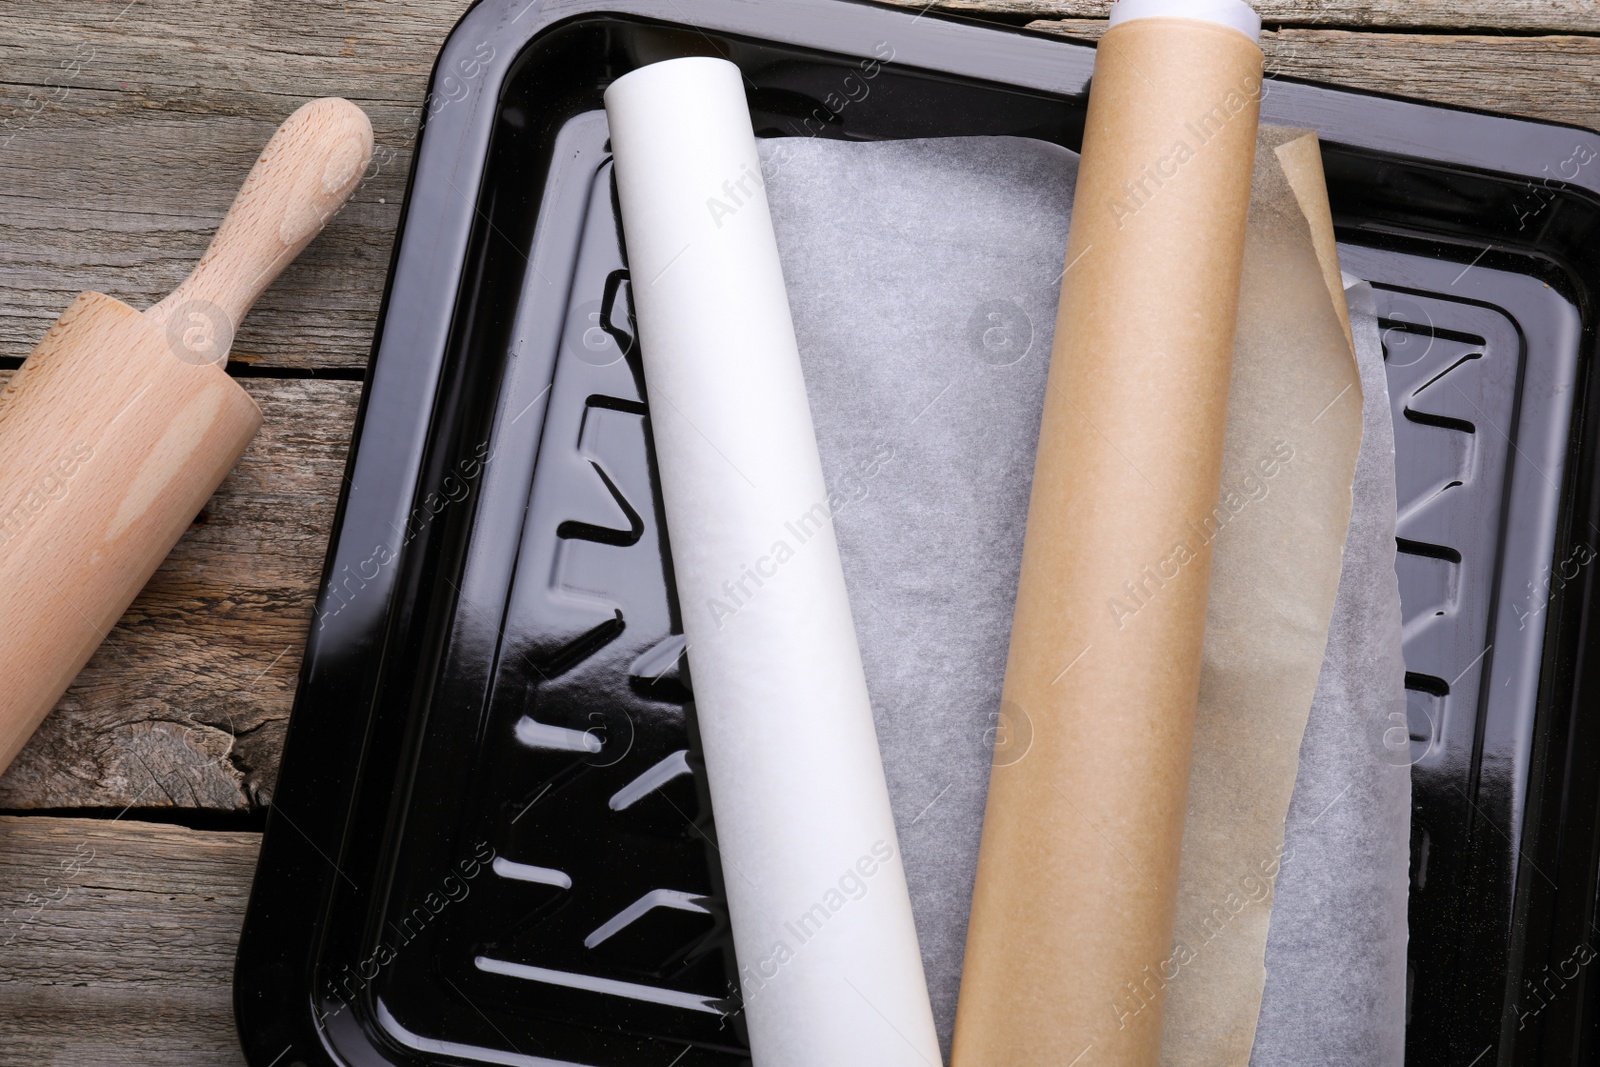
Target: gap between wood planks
117 940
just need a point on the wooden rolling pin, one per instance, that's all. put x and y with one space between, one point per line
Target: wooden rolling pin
119 427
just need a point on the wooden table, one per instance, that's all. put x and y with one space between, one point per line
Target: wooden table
131 822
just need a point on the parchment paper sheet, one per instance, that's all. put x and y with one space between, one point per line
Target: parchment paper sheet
923 279
1336 957
922 276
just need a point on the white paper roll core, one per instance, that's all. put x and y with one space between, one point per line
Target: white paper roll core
1234 14
830 971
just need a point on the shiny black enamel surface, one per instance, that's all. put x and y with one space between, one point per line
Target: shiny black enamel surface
493 700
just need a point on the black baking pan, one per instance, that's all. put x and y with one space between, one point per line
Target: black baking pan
498 563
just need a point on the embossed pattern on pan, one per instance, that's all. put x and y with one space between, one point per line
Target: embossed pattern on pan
489 842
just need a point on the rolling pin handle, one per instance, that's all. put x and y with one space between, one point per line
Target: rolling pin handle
303 177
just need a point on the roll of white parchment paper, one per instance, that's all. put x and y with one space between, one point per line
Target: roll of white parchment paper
830 971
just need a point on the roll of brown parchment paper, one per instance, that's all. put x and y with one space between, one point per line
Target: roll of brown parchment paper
1077 874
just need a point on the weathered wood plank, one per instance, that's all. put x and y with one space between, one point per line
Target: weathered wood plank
1549 16
125 130
1555 78
117 942
186 702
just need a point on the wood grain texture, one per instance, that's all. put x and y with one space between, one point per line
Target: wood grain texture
1556 16
117 942
1554 78
126 129
185 703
